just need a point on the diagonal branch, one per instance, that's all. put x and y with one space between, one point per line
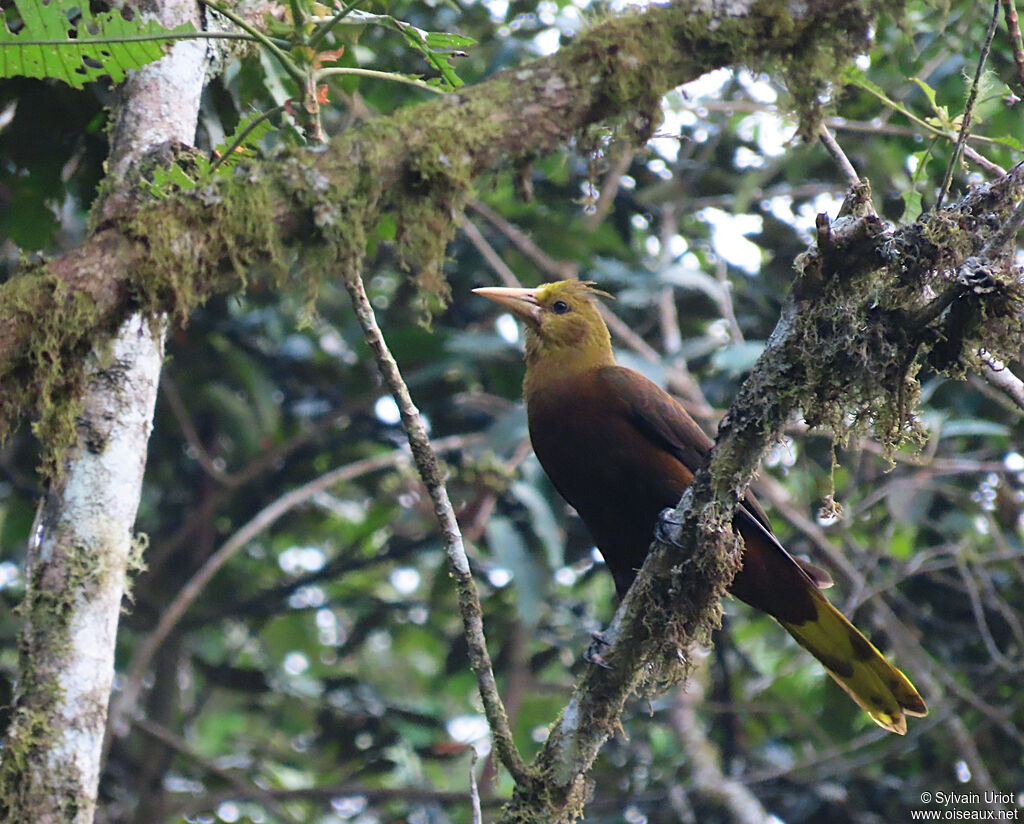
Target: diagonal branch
458 563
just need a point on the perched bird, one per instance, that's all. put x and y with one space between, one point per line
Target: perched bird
620 449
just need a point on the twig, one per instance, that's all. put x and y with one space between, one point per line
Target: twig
458 563
324 27
474 791
609 189
551 267
345 789
834 149
980 621
501 269
704 760
668 320
240 785
984 162
124 703
379 75
292 70
1013 27
1007 611
842 124
668 315
999 375
725 301
180 412
241 136
965 123
159 553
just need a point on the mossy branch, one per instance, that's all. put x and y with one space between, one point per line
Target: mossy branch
417 165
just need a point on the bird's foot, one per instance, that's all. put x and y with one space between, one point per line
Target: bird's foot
592 654
669 529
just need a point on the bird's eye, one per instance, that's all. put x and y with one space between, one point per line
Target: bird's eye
559 307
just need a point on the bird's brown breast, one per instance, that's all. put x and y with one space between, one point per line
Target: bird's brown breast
615 478
620 449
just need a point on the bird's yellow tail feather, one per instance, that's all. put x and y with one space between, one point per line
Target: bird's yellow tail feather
884 692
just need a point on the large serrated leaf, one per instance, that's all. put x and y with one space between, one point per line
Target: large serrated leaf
62 39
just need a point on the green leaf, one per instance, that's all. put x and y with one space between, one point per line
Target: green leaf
437 47
443 41
170 179
241 143
251 129
510 551
63 40
437 58
542 519
855 77
911 206
1006 140
912 198
929 93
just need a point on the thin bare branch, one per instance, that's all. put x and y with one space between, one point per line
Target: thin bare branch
474 792
554 269
246 789
329 792
839 156
968 115
609 188
501 269
705 761
458 563
842 124
1013 28
180 412
998 374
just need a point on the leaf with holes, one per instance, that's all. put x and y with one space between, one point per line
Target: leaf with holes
63 40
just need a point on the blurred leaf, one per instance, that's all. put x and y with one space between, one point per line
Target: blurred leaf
510 552
912 197
737 358
542 519
902 543
31 223
972 426
928 91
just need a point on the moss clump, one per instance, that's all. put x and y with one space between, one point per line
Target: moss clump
872 314
50 378
68 574
184 266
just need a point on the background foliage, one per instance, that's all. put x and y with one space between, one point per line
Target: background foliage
321 675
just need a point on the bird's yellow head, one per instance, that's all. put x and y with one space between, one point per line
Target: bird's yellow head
565 333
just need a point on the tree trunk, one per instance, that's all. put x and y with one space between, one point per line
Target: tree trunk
82 546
